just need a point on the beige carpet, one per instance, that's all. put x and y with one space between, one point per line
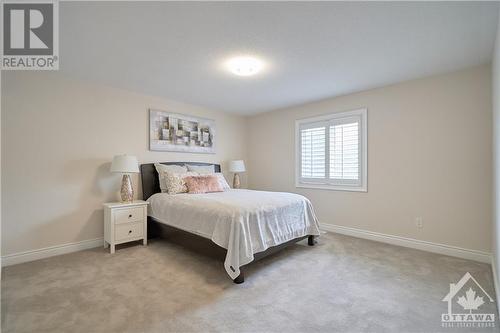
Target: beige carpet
342 284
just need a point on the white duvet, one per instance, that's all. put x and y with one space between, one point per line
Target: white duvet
244 222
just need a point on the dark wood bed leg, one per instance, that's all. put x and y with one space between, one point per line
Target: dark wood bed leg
311 241
240 279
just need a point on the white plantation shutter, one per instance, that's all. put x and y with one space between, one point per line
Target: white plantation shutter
331 151
344 151
313 150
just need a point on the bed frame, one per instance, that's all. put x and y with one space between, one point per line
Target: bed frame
151 185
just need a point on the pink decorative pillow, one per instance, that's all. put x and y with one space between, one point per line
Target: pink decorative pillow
203 184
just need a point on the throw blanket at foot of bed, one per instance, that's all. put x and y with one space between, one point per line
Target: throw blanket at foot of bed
244 222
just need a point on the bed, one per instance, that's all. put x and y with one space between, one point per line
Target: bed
247 224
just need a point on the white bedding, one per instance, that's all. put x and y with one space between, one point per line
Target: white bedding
244 222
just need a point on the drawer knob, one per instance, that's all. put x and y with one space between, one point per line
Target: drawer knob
130 231
130 215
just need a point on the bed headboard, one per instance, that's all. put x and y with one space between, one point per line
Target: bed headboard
149 176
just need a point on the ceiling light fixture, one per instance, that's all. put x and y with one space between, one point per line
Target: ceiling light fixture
244 66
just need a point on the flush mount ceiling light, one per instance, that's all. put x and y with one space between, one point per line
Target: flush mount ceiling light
244 66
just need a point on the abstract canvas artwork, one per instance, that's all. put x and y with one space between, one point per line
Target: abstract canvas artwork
182 133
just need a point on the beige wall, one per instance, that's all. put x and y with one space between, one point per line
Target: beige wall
429 155
496 159
58 138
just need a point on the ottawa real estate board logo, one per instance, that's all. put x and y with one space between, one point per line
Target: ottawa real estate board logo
467 302
30 35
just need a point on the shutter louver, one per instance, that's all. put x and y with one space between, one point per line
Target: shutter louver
344 151
313 143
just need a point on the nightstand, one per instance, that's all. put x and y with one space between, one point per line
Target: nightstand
125 222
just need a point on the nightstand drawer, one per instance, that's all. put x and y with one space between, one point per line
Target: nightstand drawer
129 230
129 215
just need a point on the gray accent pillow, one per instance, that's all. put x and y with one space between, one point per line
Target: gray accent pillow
201 169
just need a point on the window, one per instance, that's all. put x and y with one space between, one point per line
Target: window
331 151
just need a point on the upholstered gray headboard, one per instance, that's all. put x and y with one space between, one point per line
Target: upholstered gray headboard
149 176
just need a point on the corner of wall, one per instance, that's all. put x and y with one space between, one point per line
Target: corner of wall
496 161
247 151
0 177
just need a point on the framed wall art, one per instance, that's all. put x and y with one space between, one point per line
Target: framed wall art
180 133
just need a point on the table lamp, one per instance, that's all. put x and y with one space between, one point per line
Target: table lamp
236 167
125 164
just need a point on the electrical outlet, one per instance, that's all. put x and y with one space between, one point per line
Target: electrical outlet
419 222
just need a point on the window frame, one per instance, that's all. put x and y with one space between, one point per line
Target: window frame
359 185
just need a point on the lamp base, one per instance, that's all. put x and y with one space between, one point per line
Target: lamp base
127 192
236 181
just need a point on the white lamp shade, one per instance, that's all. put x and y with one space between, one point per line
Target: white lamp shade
237 166
125 164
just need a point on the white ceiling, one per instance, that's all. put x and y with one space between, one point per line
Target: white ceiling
313 50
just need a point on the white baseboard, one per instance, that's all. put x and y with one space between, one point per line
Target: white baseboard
17 258
411 243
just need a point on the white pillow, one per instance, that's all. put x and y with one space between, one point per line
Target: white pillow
202 169
161 168
222 181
